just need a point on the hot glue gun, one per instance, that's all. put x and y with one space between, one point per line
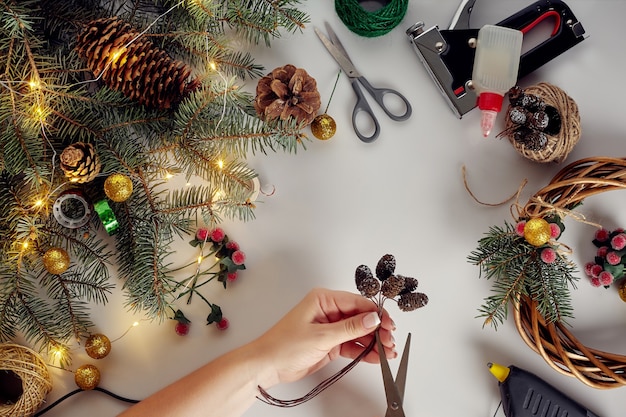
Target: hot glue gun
448 54
526 395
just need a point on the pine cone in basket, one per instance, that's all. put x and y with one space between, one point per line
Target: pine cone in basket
79 162
287 92
131 64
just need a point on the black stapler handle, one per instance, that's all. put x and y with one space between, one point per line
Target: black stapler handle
568 31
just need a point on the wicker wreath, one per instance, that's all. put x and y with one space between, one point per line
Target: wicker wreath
552 340
560 145
34 375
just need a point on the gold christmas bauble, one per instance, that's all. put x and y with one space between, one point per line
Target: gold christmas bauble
56 260
87 377
537 231
98 346
323 127
118 187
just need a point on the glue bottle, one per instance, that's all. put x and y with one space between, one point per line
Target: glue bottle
496 65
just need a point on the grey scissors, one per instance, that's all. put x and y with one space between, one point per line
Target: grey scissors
341 56
394 389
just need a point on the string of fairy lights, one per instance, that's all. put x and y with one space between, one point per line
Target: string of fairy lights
40 112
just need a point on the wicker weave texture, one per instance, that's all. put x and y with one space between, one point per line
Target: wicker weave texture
554 341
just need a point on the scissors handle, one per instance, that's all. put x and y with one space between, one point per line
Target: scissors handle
379 95
363 106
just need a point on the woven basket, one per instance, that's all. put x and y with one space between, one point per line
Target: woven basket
36 381
553 341
560 145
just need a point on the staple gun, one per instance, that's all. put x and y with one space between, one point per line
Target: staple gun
448 54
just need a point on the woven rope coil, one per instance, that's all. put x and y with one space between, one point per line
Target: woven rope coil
371 24
558 146
553 341
36 380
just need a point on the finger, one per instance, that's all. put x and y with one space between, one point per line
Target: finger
386 338
337 305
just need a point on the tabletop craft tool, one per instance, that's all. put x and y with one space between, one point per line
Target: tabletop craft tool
394 389
448 54
334 46
524 394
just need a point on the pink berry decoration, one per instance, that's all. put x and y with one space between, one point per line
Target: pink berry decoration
222 324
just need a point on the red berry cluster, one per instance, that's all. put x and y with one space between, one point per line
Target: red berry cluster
231 257
609 262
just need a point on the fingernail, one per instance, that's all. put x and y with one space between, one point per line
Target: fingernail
371 320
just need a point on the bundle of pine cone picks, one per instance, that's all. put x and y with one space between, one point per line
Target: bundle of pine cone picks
387 285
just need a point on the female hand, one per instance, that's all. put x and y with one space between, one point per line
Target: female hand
324 325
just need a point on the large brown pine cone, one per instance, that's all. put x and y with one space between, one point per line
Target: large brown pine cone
130 63
287 92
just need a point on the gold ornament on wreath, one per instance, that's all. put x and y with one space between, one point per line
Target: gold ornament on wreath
26 375
541 322
542 122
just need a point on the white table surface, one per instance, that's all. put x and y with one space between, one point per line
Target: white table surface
342 203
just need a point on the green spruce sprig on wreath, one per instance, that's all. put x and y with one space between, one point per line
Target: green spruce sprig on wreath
525 260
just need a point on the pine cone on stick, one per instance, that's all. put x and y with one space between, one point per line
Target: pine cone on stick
287 92
131 64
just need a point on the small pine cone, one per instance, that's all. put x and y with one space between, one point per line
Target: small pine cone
392 286
287 92
410 285
412 301
386 267
79 162
133 65
369 287
362 273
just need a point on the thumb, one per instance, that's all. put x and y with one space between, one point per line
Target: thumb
354 327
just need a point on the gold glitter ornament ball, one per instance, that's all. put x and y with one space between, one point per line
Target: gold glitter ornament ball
97 346
87 377
56 260
118 187
537 232
323 127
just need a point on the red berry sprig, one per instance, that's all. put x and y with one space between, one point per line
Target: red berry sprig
609 263
182 323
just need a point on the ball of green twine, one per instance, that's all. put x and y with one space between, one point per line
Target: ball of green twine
371 24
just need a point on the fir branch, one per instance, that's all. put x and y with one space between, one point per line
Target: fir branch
516 268
48 100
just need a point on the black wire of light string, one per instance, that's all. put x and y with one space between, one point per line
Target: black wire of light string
70 394
319 388
371 24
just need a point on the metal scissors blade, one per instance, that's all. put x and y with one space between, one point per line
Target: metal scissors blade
338 52
394 389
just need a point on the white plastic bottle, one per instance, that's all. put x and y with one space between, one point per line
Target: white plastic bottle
496 65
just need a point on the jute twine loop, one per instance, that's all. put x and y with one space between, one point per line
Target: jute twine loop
553 341
560 145
371 24
36 381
